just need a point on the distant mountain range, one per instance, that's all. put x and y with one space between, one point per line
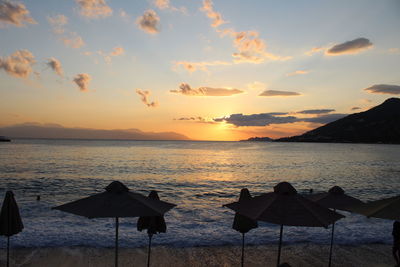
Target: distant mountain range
55 131
380 124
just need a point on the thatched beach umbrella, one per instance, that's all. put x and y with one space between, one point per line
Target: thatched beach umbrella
242 223
388 208
116 202
285 207
153 224
334 199
10 220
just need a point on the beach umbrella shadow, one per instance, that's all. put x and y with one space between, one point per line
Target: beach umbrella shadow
334 199
10 220
116 202
286 207
242 223
153 224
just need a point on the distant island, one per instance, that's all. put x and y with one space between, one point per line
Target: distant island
380 124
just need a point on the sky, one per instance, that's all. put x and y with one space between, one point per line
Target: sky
206 69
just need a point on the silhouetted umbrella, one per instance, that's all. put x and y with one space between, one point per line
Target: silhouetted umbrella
334 199
153 224
10 220
285 207
388 208
117 201
242 223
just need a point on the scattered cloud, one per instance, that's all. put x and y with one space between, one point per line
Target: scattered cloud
185 89
14 14
298 72
278 93
315 111
117 51
70 39
350 47
73 40
315 50
82 80
94 8
165 4
145 98
384 89
203 66
19 64
149 22
215 16
58 23
55 65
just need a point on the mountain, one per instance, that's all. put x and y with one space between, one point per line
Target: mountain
380 124
55 131
265 139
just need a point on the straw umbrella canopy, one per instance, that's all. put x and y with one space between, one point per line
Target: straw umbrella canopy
10 220
153 224
242 223
388 208
334 199
285 207
116 202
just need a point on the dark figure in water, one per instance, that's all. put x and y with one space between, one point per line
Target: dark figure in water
396 242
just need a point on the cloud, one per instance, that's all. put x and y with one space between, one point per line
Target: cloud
315 111
384 89
149 22
185 89
256 85
355 108
215 16
350 47
15 14
145 98
315 50
265 119
196 119
82 80
117 51
194 66
278 93
73 40
19 64
165 4
298 72
94 8
55 65
58 22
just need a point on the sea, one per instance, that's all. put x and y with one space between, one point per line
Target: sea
199 177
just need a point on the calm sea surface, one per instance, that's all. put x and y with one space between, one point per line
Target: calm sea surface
197 176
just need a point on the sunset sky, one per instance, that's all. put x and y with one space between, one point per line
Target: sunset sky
210 70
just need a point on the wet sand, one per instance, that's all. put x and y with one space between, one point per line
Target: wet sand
296 255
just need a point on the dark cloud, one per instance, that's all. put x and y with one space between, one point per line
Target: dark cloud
55 65
384 89
355 108
278 93
14 13
350 47
19 64
196 119
185 89
145 98
323 119
82 80
149 22
315 111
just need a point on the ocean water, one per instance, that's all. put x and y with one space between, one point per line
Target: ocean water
197 176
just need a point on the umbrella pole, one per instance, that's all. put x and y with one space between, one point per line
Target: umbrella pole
330 251
149 251
8 251
242 249
280 245
116 241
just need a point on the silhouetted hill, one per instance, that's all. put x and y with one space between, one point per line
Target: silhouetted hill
380 124
55 131
265 139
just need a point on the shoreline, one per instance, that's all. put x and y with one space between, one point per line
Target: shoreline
301 254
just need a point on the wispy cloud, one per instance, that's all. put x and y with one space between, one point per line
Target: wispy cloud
216 17
315 50
82 80
389 89
350 47
185 89
165 4
355 108
55 65
298 72
149 22
94 8
73 40
70 39
144 95
58 23
19 64
203 65
14 14
278 93
197 120
315 111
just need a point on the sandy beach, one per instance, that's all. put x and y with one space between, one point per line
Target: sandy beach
296 255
